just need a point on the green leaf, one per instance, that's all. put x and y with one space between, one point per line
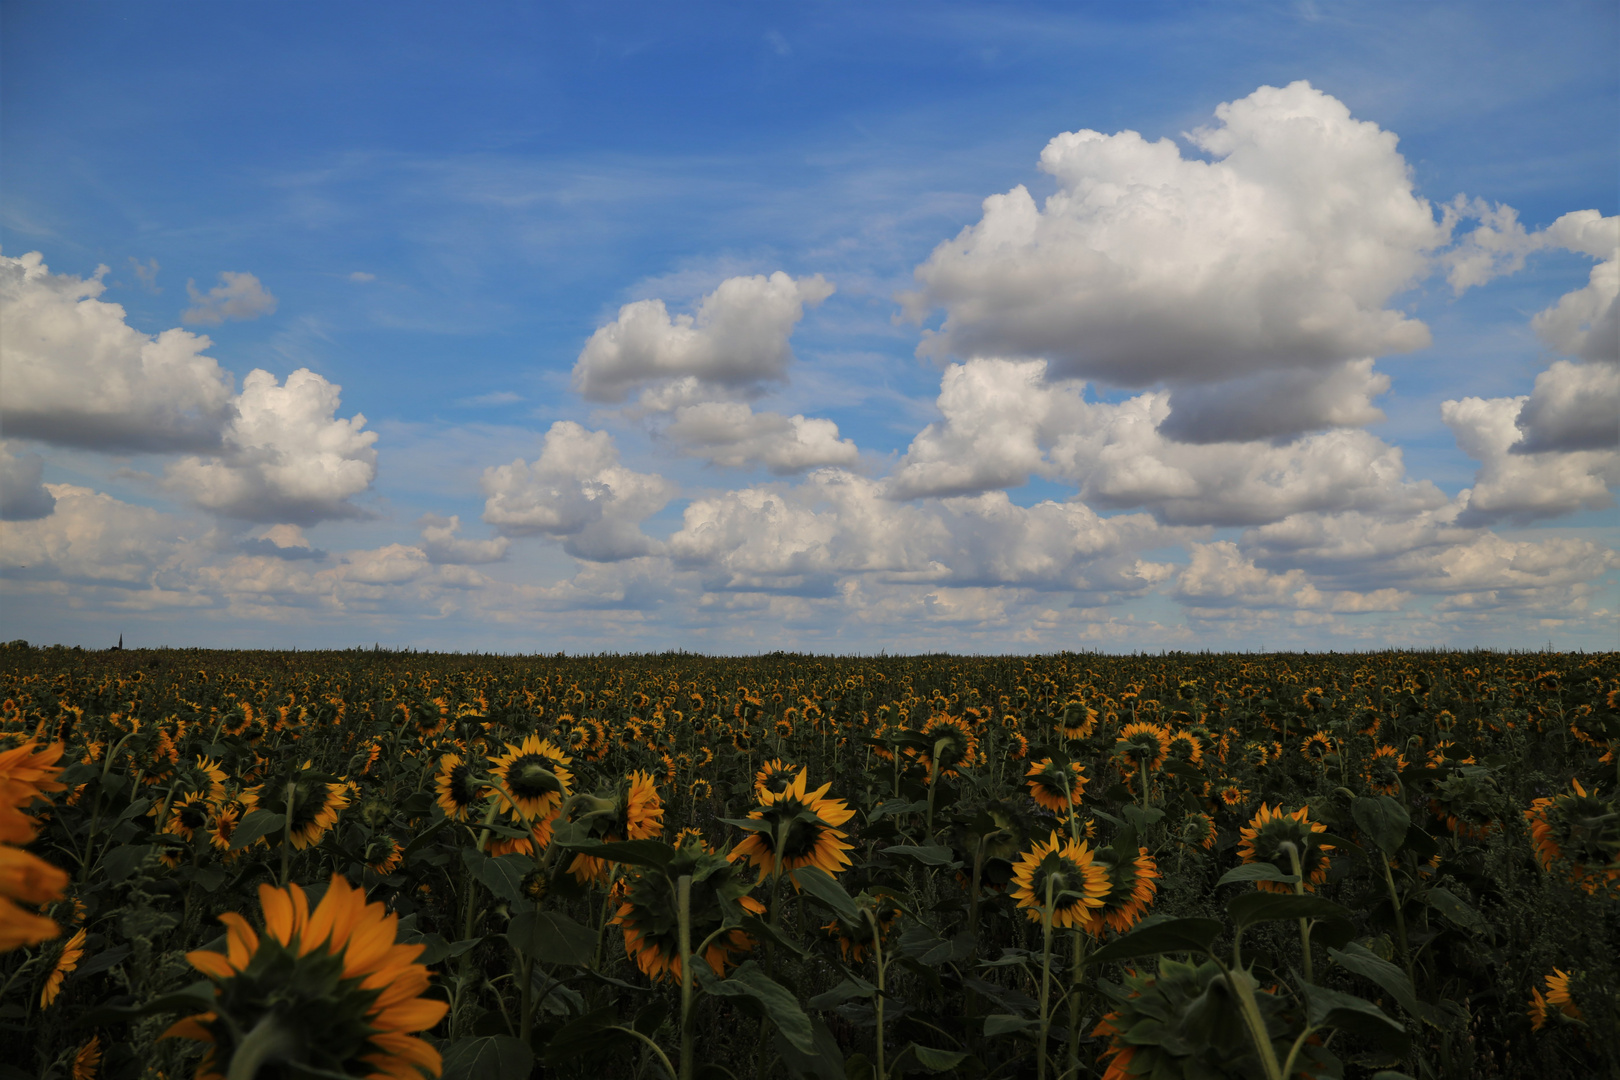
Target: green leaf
255 826
198 997
751 984
850 989
764 931
825 888
1458 911
487 1057
1384 820
932 855
1246 909
123 861
504 877
1263 871
750 824
101 961
1142 819
650 853
935 1061
827 1063
1171 935
1369 965
589 1032
1335 1009
1005 1023
551 938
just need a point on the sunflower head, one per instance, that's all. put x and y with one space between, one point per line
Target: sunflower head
1578 833
949 744
1265 839
1317 746
1064 872
798 828
325 990
457 792
650 917
1076 721
534 774
854 942
1383 769
1197 830
1054 787
311 800
1131 884
773 778
1143 745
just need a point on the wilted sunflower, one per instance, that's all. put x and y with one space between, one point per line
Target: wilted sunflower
813 836
1078 884
324 991
1557 1001
66 961
457 793
1269 829
1578 833
773 777
1056 788
651 919
535 775
1383 769
1130 886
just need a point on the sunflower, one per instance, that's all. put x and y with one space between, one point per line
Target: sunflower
1579 833
1186 746
206 778
456 791
649 916
330 986
186 815
383 855
1557 1002
311 800
1317 746
812 837
26 773
66 961
1055 788
1130 886
701 790
773 777
1269 829
1077 884
1017 746
534 775
854 942
1232 796
1144 745
1383 769
87 1060
951 739
634 812
1197 830
1076 721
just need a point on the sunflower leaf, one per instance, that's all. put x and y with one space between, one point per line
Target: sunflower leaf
258 824
651 853
750 824
1458 911
1369 965
1246 909
1255 872
931 855
1384 820
551 938
824 887
763 930
1171 935
749 983
1358 1016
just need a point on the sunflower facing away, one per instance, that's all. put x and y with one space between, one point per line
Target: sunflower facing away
1143 744
325 990
1130 887
315 803
26 773
1078 883
1051 788
66 961
1579 833
1383 771
1557 1002
1269 829
634 812
650 918
854 942
773 777
813 837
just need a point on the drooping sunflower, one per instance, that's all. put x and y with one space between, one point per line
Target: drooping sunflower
812 838
1578 833
66 962
1197 830
1131 884
1078 884
650 920
457 793
773 777
1055 788
854 942
1263 840
633 812
535 774
88 1060
331 986
1382 770
384 854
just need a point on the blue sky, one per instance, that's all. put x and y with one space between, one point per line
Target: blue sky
430 211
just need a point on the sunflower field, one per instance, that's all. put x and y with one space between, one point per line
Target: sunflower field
1200 866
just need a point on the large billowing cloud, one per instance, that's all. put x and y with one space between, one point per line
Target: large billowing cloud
1279 253
90 537
736 342
287 456
1517 483
730 433
1573 407
1004 421
77 374
576 492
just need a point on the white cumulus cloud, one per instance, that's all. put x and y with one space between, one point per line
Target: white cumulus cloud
77 374
287 456
577 492
237 296
442 545
732 434
22 494
1525 485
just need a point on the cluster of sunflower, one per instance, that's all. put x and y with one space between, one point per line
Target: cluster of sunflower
442 850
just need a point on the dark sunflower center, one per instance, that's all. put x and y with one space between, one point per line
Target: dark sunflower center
461 787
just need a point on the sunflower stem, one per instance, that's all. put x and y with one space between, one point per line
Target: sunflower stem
1400 917
877 954
1299 890
286 834
1077 970
1046 981
268 1041
683 899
